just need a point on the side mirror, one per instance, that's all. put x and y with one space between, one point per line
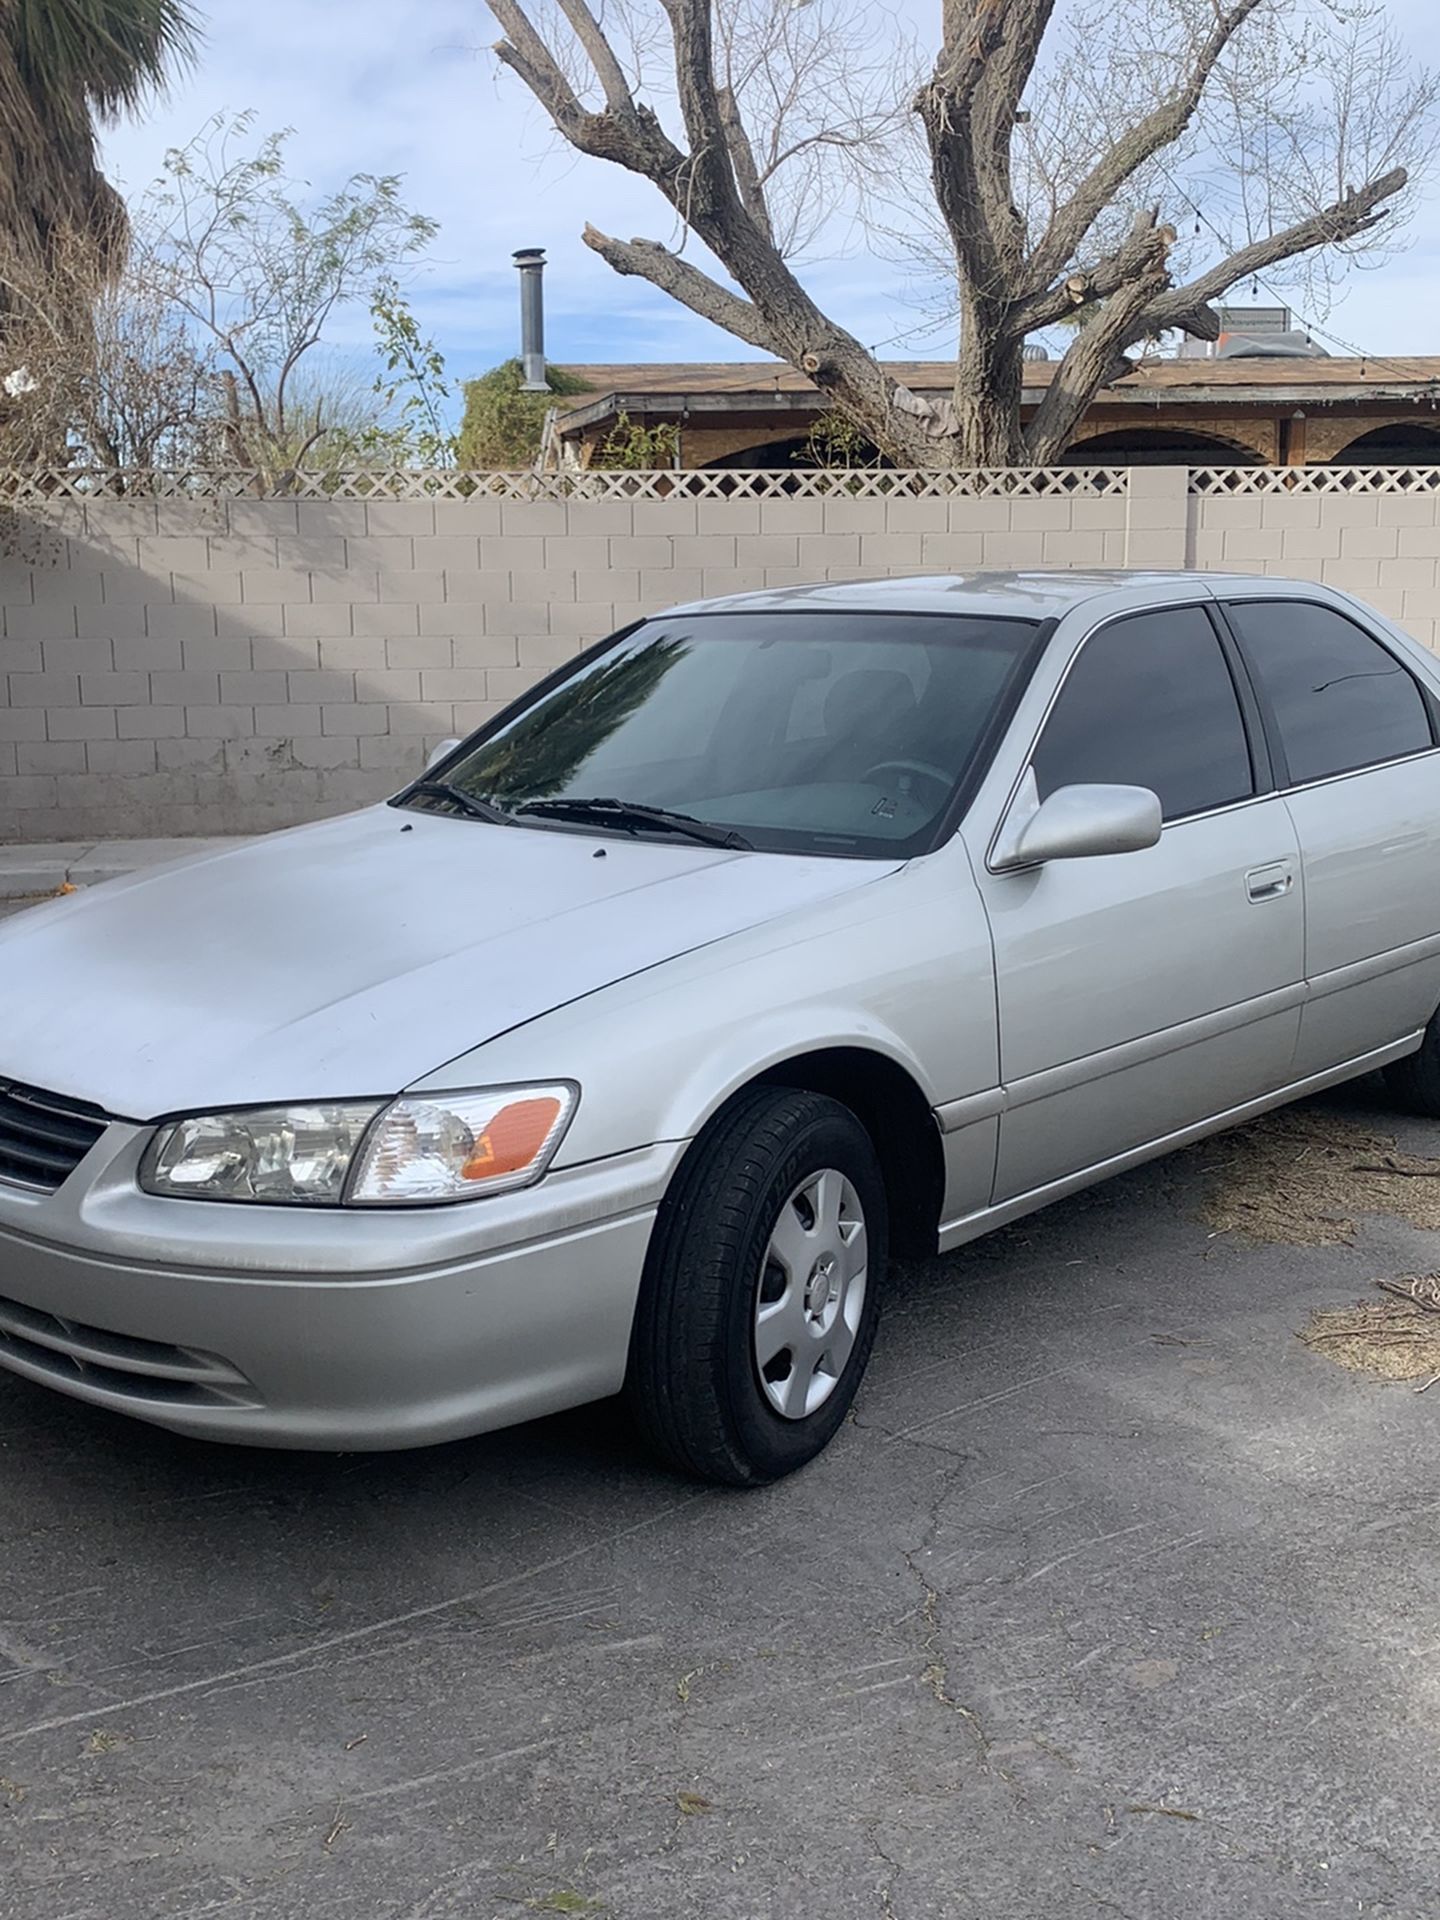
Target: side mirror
437 754
1076 823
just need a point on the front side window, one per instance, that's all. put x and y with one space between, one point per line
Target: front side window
1150 703
827 732
1339 698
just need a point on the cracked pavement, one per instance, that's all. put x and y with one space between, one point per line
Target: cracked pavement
1110 1599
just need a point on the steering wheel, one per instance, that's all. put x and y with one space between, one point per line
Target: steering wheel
938 774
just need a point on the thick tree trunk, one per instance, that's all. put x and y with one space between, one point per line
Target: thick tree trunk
987 392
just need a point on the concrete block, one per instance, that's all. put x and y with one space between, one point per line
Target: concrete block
120 519
267 519
427 650
48 756
502 554
724 516
1051 514
347 653
604 583
287 721
312 552
1253 544
206 589
264 587
455 683
345 588
477 515
150 723
717 582
1412 542
447 553
323 686
178 756
252 689
120 756
311 622
819 552
85 723
1367 543
951 552
785 517
1011 549
182 622
1411 571
675 586
395 554
471 585
642 550
879 552
207 652
115 689
192 688
22 723
1067 548
60 588
404 519
219 723
323 752
1352 574
292 655
143 655
410 587
678 518
521 618
351 719
611 519
1158 499
164 553
384 620
967 514
44 689
26 656
332 519
912 517
572 551
531 518
1349 510
386 685
704 550
17 794
241 552
400 754
553 650
431 717
1305 545
252 622
133 586
41 623
109 623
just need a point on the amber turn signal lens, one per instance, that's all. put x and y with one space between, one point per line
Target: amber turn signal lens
513 1139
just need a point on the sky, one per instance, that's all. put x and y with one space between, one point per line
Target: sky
412 89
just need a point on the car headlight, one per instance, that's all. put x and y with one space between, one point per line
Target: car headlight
421 1149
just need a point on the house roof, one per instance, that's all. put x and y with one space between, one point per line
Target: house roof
737 386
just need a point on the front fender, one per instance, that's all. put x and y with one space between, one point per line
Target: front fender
902 968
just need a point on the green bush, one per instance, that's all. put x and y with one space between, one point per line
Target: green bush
501 426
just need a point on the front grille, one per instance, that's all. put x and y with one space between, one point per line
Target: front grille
72 1353
44 1137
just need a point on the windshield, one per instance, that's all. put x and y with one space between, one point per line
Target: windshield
812 732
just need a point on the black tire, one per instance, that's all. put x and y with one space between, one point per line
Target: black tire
1414 1082
693 1384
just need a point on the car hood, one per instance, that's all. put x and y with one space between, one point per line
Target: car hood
356 955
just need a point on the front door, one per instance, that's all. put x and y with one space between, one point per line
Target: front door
1140 993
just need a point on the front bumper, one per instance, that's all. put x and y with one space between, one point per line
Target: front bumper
336 1330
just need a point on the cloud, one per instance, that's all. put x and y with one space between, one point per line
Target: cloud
375 88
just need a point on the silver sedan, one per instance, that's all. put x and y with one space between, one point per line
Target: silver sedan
621 1050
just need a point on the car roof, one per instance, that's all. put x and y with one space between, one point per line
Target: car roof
1032 595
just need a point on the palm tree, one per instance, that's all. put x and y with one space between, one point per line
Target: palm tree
67 66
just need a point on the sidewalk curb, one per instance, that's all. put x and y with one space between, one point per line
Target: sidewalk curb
41 869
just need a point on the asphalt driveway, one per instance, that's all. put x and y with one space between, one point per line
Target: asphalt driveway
1111 1599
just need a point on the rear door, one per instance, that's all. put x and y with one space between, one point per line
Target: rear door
1140 993
1353 738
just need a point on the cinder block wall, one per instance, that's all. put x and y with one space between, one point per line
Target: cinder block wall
230 666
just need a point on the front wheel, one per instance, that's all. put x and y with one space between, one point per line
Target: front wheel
761 1293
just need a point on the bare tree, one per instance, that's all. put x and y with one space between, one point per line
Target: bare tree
1133 158
259 274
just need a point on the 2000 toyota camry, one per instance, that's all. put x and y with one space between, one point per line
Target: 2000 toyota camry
620 1049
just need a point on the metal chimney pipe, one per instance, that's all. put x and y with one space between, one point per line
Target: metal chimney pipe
531 263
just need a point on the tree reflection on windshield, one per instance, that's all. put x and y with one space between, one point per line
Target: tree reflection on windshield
544 749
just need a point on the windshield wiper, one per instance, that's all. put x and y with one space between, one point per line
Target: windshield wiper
457 796
632 814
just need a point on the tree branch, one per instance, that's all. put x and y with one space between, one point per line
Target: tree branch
1096 357
1145 139
742 159
600 54
648 260
1189 306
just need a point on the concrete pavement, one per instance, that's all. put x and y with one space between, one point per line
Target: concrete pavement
46 866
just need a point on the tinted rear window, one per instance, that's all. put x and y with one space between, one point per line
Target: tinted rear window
1340 699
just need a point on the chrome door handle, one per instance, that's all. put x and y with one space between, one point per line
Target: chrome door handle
1269 883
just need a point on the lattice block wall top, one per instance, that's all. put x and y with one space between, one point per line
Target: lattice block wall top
19 487
1392 479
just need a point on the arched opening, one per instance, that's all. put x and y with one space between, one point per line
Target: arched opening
1403 442
1157 447
797 450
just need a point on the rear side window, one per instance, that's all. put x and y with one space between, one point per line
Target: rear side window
1150 703
1339 698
